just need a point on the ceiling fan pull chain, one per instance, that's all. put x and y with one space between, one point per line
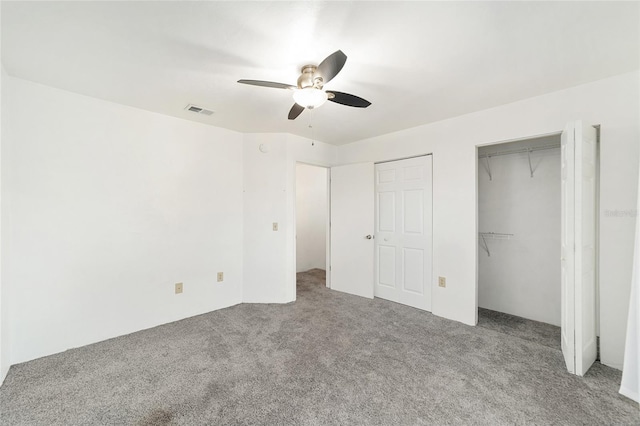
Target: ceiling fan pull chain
313 139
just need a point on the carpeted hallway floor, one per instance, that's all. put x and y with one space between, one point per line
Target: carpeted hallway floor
329 358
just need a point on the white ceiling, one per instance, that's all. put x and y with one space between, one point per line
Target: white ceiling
417 62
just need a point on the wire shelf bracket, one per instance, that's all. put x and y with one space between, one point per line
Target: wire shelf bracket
530 167
484 236
488 158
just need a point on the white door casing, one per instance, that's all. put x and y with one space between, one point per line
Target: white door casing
403 239
352 207
578 247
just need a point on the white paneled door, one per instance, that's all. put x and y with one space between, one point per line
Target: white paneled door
578 247
403 238
352 207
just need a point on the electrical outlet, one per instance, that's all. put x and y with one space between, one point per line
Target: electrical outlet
220 276
178 288
275 226
442 281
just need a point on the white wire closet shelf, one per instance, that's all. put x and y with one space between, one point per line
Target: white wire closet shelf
487 156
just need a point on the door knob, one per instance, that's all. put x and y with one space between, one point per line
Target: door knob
368 237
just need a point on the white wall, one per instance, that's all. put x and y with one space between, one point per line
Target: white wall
269 196
612 102
522 275
311 217
265 198
109 207
5 361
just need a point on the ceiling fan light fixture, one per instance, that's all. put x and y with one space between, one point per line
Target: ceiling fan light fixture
310 97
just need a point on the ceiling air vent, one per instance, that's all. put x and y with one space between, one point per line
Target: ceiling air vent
198 110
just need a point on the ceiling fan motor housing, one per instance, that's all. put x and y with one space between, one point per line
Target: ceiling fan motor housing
309 78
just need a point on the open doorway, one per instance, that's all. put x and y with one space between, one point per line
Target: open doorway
519 227
312 227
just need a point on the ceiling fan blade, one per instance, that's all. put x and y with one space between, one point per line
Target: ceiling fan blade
349 100
331 65
295 111
267 84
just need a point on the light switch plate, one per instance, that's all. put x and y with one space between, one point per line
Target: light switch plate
275 226
178 288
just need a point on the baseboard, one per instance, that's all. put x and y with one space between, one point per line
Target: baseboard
3 373
630 394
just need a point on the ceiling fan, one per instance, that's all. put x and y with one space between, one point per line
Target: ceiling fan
309 92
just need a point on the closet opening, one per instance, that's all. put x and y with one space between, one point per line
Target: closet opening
312 227
519 239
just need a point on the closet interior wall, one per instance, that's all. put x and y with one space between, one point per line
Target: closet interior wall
519 214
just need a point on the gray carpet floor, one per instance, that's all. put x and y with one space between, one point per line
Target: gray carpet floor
327 359
533 331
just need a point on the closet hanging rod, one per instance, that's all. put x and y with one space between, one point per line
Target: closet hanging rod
519 151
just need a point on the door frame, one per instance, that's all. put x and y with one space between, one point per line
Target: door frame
327 226
597 217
